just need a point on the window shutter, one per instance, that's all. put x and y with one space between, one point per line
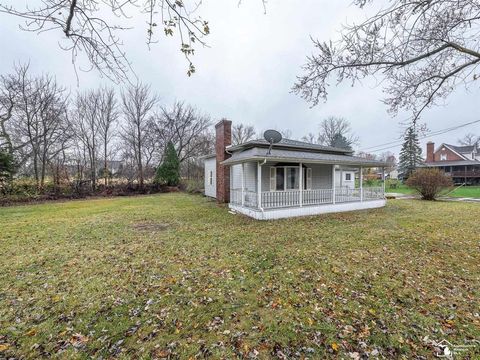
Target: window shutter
273 179
309 178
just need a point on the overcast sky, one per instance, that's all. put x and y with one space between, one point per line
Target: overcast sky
247 72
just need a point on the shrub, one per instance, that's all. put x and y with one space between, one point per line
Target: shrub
194 186
429 182
168 172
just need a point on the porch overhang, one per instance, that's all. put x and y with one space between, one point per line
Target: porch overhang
279 155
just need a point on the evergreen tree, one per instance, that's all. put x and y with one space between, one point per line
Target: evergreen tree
169 171
340 141
411 153
7 166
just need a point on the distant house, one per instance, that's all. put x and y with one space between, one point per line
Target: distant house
462 163
294 178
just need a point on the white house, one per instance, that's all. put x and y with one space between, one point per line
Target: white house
294 178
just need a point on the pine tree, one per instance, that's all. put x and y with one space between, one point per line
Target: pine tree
340 141
7 166
169 171
411 153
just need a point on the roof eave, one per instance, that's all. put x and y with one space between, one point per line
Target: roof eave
231 161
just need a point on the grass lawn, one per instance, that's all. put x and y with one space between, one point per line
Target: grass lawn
177 276
464 191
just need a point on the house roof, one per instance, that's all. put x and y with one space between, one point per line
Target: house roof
462 149
208 156
289 144
276 154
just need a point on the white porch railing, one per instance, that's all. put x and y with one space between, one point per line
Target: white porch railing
293 198
316 197
278 199
373 193
249 198
345 194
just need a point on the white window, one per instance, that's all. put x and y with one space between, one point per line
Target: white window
443 157
210 178
285 178
348 177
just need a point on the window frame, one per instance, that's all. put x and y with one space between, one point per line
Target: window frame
273 177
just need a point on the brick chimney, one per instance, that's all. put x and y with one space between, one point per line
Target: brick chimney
223 138
430 150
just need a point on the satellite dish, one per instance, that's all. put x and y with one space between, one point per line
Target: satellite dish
273 137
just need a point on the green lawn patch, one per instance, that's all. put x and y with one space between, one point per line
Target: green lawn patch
464 191
177 276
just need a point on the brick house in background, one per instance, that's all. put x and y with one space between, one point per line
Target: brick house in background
462 163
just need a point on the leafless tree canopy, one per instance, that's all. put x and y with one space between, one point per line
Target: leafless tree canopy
94 134
90 27
329 129
423 49
470 139
242 133
185 127
138 104
93 27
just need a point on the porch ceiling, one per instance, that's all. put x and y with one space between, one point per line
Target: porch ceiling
260 154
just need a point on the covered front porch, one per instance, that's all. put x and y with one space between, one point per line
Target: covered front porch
273 190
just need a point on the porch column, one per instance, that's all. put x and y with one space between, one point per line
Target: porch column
333 184
243 184
259 185
300 186
383 178
361 183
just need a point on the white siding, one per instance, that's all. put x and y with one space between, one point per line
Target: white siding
341 178
211 174
250 176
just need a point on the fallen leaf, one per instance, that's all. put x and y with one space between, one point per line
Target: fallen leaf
31 332
4 347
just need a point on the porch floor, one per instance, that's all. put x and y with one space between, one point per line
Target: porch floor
306 210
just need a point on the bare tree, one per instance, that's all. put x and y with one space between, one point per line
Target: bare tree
137 106
108 119
8 97
422 49
86 125
311 138
40 120
332 127
87 27
184 126
469 139
389 158
242 133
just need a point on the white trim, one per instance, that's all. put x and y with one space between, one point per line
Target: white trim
273 178
361 183
243 184
333 184
307 210
259 185
300 183
309 178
